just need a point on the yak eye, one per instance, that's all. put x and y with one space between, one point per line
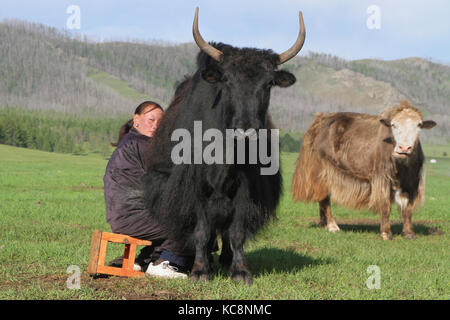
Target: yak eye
212 74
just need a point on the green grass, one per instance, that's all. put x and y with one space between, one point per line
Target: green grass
436 150
50 203
121 87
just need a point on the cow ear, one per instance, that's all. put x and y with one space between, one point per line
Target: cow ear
386 122
212 74
428 124
283 79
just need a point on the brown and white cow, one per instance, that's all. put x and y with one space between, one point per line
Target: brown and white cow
363 161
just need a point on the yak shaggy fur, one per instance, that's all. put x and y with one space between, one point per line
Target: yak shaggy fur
346 158
193 201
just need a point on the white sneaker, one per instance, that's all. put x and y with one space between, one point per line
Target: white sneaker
164 270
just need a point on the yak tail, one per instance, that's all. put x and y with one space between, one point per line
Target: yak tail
307 184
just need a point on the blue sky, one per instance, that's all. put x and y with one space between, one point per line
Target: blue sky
408 28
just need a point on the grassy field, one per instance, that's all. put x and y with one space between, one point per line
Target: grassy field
50 203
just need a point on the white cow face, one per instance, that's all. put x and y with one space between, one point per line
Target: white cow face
405 127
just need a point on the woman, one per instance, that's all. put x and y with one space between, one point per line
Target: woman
124 209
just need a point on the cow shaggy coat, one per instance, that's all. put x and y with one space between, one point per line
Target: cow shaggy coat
363 161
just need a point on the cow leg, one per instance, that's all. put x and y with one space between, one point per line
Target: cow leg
201 268
385 227
407 232
226 256
326 217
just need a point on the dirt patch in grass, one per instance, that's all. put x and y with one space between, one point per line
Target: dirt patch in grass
84 187
117 288
134 288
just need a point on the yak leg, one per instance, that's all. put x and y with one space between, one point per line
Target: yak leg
385 227
408 232
200 269
404 206
406 209
239 269
326 217
226 256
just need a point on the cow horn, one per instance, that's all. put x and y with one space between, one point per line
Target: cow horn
292 51
202 44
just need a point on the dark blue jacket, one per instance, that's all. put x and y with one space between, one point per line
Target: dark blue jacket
122 184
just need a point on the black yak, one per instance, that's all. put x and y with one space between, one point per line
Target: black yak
230 90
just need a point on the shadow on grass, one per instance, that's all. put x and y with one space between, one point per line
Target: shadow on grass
276 260
420 228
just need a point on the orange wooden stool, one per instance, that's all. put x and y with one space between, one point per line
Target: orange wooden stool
98 253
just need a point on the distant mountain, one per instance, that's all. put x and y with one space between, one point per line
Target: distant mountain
45 68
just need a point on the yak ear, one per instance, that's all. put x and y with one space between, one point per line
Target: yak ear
283 79
212 74
386 122
428 124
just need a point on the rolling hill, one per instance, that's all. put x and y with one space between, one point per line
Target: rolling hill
46 68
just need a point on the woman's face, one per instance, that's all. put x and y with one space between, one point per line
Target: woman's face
147 122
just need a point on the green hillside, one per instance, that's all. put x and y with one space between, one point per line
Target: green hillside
45 68
119 86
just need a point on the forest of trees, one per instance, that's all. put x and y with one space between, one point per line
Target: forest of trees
58 132
55 131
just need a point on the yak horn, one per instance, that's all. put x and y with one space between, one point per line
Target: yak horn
202 44
292 52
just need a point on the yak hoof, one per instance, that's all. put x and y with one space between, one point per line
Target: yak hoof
333 227
195 276
243 276
409 236
386 236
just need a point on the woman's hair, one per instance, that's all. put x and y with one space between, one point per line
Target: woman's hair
126 127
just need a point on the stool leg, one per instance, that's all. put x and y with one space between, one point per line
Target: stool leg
102 254
129 258
132 256
126 257
95 252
